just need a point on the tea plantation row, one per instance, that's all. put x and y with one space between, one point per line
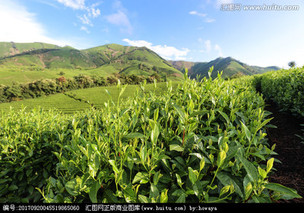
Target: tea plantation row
200 142
286 89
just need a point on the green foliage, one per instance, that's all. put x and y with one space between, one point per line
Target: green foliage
81 99
292 64
27 141
61 84
285 88
301 136
201 142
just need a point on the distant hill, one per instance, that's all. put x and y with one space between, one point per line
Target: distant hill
12 48
230 67
113 58
131 60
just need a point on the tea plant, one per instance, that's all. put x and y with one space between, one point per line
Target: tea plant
201 142
27 140
286 89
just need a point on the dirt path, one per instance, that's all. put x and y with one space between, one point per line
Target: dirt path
290 172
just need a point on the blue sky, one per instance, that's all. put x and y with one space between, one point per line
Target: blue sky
192 30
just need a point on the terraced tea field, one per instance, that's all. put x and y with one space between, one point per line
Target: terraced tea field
79 100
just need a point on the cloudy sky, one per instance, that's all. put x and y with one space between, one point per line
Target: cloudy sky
195 30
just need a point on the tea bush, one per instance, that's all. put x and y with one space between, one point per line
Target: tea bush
286 89
201 142
27 140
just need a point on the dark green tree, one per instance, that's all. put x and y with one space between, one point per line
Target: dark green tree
292 64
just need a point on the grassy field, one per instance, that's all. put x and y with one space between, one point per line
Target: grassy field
78 100
17 75
98 95
59 101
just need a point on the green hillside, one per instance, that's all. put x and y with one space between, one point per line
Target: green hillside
11 48
229 66
131 60
109 59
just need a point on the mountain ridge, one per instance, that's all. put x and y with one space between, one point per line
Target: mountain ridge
116 58
12 48
109 58
231 67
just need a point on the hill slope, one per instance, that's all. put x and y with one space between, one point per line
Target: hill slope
11 48
112 57
229 66
131 60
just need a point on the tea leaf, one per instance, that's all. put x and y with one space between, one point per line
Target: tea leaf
156 177
202 164
182 198
181 112
227 179
270 164
224 190
262 172
179 180
247 131
154 133
224 116
250 169
221 158
112 163
70 186
141 177
192 175
164 196
287 193
175 147
154 192
248 190
93 192
143 199
134 135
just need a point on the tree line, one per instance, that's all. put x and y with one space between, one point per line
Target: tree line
61 84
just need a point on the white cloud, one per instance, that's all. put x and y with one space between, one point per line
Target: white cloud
209 20
197 13
202 15
94 12
138 43
219 50
167 52
19 25
120 18
91 11
85 20
83 28
208 47
74 4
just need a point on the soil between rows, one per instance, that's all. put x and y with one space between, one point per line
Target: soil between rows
290 151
